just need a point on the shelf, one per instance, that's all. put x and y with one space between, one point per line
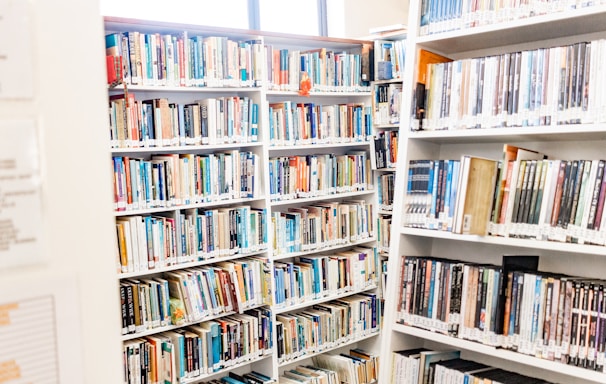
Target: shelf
153 331
381 212
514 134
184 148
291 94
189 264
552 366
340 345
187 206
322 198
572 22
292 307
307 147
388 169
508 241
195 89
387 126
324 249
388 81
191 380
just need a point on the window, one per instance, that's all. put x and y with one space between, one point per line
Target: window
226 13
306 17
289 16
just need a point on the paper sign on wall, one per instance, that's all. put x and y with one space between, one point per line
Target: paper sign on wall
40 330
20 195
16 68
29 353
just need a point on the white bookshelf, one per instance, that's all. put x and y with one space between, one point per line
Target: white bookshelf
263 95
566 141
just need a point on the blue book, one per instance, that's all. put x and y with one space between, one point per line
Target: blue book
163 301
317 281
149 222
453 192
449 173
216 344
536 308
147 182
209 275
431 289
434 171
148 58
279 281
178 341
254 121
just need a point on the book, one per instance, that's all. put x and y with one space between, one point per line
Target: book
424 58
476 191
426 358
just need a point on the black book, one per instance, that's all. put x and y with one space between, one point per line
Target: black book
509 264
567 191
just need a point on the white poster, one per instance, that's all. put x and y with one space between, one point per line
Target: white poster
40 331
20 195
16 68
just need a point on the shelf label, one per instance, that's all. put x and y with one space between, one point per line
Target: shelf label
16 68
20 196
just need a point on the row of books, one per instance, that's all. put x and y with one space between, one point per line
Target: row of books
321 225
183 60
389 59
546 315
358 366
387 103
293 177
545 86
460 299
177 356
293 123
431 194
385 191
425 366
252 377
383 233
328 71
193 294
152 242
317 276
385 149
558 200
171 180
441 15
162 123
326 326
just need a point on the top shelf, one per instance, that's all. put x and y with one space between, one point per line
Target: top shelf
577 132
544 27
291 40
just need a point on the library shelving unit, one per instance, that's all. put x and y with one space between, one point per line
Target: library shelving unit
231 175
386 98
579 136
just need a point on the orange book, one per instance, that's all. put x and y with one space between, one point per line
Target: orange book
425 58
275 66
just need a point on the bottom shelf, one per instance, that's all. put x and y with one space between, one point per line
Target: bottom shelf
503 354
328 349
224 371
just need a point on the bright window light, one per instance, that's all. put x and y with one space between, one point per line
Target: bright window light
224 13
289 16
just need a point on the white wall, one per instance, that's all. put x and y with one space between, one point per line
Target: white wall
69 108
353 18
